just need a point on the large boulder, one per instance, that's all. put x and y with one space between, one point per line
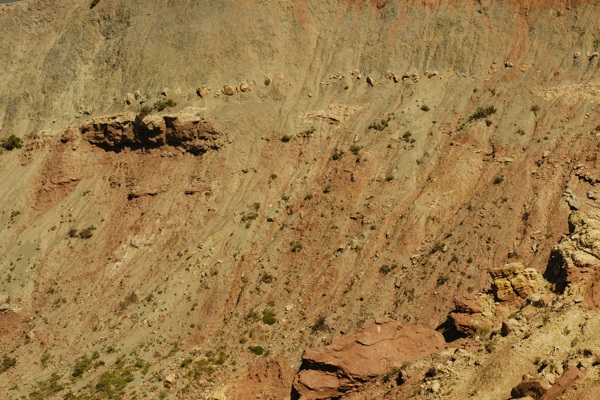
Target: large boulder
350 361
574 265
532 387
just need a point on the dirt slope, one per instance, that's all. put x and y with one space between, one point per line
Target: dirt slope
374 159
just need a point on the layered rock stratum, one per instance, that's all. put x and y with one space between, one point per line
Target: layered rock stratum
209 193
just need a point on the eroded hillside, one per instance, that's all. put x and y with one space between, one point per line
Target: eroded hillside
208 189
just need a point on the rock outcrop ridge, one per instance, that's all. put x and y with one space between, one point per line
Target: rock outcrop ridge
186 130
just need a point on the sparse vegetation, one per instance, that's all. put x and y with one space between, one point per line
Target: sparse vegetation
393 372
320 325
535 108
286 138
87 232
386 269
425 108
389 178
258 350
498 180
48 388
112 383
94 3
337 155
267 81
379 126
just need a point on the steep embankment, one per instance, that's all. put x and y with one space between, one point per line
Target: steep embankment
371 159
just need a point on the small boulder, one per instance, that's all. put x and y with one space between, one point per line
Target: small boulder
371 81
228 90
510 326
534 387
244 87
202 91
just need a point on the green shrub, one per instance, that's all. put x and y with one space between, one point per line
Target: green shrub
286 138
355 149
249 217
7 363
389 178
296 247
87 232
46 389
12 142
268 317
160 105
267 81
308 196
482 113
267 278
94 3
379 126
81 366
112 383
337 155
320 325
145 110
425 108
437 247
258 350
386 269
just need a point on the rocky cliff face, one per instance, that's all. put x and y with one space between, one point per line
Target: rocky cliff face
206 190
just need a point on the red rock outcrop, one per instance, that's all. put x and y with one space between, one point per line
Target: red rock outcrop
265 379
330 371
467 316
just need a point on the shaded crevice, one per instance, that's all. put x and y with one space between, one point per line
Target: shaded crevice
449 331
